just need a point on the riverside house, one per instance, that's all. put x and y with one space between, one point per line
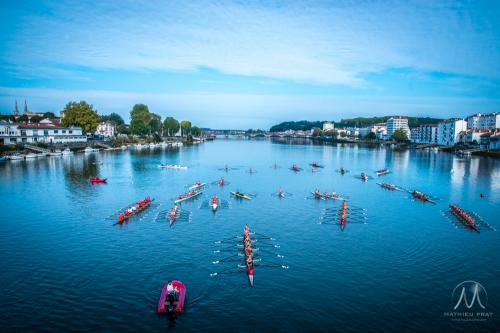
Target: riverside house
46 131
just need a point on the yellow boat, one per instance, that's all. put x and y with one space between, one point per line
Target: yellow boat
241 195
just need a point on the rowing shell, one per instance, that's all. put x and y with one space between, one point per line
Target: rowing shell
257 246
188 197
241 195
324 197
196 186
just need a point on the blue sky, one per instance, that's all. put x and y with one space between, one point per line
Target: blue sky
243 64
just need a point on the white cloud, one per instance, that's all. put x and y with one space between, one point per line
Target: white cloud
305 42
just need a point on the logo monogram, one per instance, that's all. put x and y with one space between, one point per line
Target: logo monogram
469 290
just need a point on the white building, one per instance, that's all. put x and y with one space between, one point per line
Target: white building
8 133
495 141
488 122
328 126
426 134
105 129
473 121
448 132
46 132
474 136
380 130
414 135
397 123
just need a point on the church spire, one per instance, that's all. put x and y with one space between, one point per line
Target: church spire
16 109
25 107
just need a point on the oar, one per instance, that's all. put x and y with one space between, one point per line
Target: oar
226 271
224 259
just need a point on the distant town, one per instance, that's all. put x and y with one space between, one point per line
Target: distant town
79 126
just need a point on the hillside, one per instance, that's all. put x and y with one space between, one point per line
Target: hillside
353 122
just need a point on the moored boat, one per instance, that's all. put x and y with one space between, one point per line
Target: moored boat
56 153
30 156
172 298
89 150
67 151
16 157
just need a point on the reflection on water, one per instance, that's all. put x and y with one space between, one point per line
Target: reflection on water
75 271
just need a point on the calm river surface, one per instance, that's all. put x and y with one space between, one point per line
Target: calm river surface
65 267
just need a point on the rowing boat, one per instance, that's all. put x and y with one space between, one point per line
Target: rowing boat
295 168
134 210
250 247
247 241
363 176
334 196
188 196
172 214
242 195
464 217
389 186
342 215
173 166
422 196
316 165
196 186
382 172
214 203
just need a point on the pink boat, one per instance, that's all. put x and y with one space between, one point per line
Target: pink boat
163 304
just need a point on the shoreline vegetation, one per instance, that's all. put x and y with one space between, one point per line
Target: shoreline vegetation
145 128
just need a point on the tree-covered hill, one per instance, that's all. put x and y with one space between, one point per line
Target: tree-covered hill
353 122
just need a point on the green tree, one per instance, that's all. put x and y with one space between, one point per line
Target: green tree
343 134
49 115
196 131
154 124
317 132
186 127
400 135
22 119
35 119
371 136
81 114
171 125
114 118
139 119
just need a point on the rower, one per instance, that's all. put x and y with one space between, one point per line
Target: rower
120 218
172 294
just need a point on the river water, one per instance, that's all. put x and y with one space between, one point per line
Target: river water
66 267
